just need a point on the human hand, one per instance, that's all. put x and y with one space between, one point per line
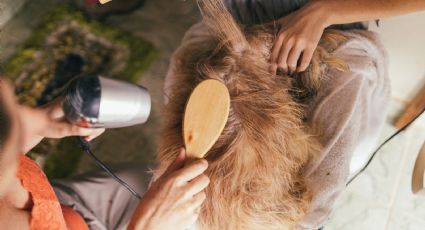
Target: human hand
49 121
174 200
298 37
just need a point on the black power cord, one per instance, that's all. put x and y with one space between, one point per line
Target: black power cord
382 145
85 145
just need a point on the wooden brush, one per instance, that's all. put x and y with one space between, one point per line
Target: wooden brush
205 116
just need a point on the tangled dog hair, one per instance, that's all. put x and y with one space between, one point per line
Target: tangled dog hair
256 167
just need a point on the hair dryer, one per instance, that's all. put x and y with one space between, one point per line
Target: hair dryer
99 102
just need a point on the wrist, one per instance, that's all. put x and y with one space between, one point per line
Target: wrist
324 12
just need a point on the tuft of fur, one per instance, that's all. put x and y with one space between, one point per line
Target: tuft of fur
256 166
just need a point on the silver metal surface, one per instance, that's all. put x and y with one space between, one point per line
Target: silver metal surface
122 104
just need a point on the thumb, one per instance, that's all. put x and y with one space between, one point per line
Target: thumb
177 164
94 133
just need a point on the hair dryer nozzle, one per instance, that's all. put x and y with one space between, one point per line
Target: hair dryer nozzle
99 102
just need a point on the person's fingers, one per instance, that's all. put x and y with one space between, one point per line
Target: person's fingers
177 164
78 131
276 48
190 218
196 185
196 201
94 134
198 210
275 54
192 206
283 54
294 56
306 58
64 129
191 171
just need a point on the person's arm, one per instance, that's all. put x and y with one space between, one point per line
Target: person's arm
362 10
300 31
174 200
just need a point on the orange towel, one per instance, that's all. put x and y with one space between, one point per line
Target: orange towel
47 213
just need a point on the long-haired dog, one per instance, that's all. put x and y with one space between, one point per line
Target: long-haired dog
256 167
